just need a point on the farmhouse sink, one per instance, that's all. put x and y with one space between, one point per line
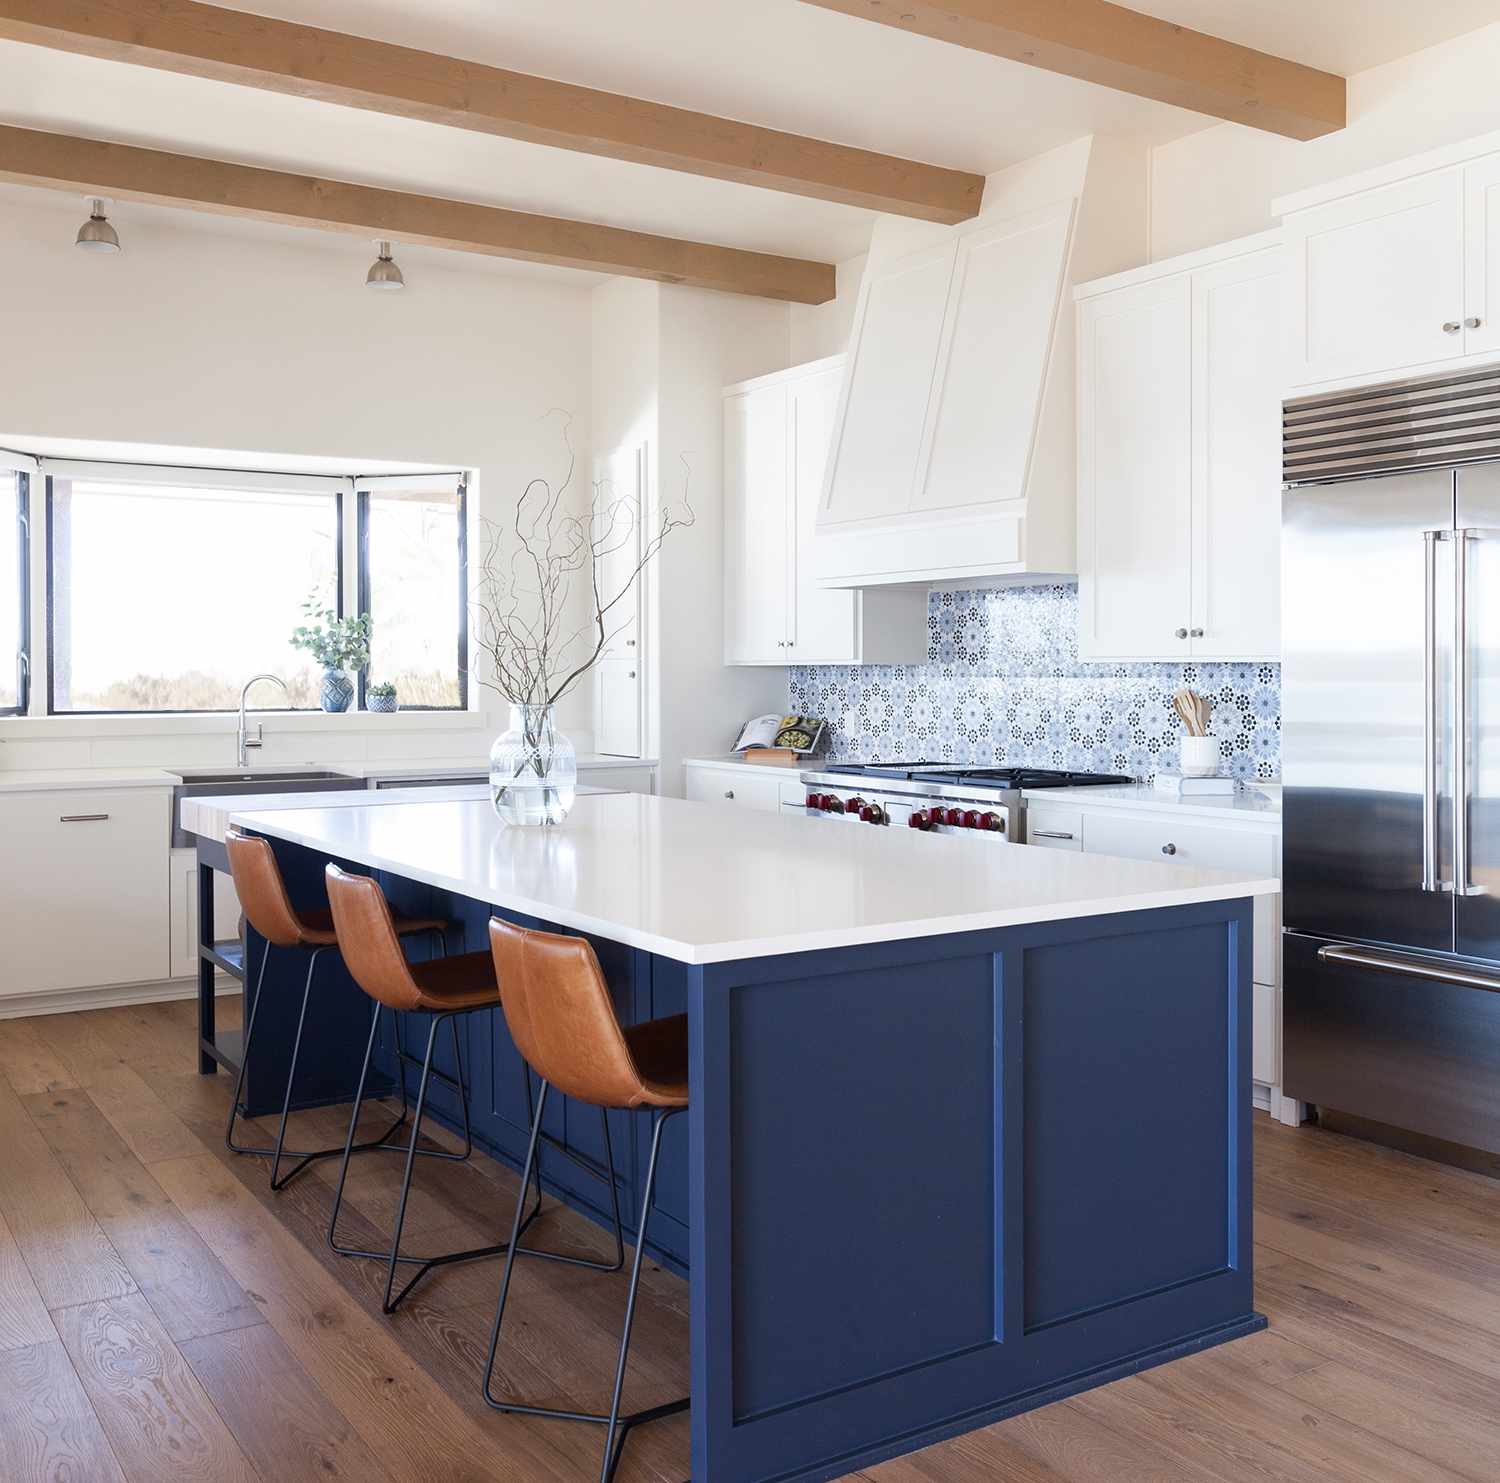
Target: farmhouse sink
204 783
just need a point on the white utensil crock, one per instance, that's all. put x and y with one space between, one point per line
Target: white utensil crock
1200 756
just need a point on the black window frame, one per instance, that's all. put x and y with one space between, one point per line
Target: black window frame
22 657
362 516
52 710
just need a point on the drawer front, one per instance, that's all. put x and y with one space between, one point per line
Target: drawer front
721 785
1265 1053
85 889
1213 848
1052 828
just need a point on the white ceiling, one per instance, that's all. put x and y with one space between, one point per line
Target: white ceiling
774 62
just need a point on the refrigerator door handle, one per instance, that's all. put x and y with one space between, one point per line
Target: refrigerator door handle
1462 741
1430 880
1360 957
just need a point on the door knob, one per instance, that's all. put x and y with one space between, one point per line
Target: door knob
1180 633
1473 322
1451 327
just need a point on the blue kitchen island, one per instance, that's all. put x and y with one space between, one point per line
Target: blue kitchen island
970 1122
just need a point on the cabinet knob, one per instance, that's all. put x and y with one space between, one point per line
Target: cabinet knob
1180 633
631 675
630 643
729 792
1451 327
1169 849
1473 322
1195 633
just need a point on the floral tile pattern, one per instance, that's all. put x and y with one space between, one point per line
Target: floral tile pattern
1003 683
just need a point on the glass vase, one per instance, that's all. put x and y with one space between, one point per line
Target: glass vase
533 769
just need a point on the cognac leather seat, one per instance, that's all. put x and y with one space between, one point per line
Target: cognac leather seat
368 934
268 908
563 1022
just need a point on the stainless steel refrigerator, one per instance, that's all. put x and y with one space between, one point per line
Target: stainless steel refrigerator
1391 756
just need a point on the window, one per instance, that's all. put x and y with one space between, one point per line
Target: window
413 585
15 601
169 596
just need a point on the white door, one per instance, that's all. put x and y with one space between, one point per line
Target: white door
822 622
1236 459
1135 471
620 500
1375 281
894 346
617 708
1482 253
757 517
987 389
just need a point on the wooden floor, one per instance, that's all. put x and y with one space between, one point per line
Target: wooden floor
163 1317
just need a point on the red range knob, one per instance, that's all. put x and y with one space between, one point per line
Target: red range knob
971 818
917 819
855 805
955 816
994 822
833 803
814 800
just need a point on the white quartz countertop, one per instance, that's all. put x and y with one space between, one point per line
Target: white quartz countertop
704 885
736 762
210 817
65 779
1251 802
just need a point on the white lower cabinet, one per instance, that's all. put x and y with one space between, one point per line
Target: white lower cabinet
185 911
734 785
84 888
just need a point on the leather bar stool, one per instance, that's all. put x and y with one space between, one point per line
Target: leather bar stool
563 1022
268 908
444 988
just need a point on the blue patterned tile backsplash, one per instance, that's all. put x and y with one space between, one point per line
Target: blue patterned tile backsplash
1003 683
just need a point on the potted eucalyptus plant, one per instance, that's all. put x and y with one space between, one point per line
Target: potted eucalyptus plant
381 697
540 639
340 645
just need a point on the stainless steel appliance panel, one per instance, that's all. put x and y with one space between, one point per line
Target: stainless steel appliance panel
1368 620
1367 1032
1477 786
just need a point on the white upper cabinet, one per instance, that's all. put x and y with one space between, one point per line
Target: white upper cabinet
776 437
1236 604
987 389
1482 257
1376 281
619 677
1135 470
898 327
1179 482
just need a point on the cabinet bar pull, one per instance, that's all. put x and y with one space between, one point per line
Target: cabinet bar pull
1050 834
1358 957
82 818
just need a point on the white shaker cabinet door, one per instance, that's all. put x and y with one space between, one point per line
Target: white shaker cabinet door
1236 604
1135 471
617 708
1482 252
823 621
1375 281
756 527
987 389
893 349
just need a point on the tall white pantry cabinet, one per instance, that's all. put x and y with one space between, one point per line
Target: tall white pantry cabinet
1179 478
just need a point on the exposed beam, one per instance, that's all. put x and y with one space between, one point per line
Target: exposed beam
125 172
307 62
1135 53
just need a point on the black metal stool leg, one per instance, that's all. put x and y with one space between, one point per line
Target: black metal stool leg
277 1182
239 1084
617 1426
359 1097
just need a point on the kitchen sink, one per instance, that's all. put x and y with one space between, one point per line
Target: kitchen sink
203 783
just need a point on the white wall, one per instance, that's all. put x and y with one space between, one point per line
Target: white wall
241 336
1219 184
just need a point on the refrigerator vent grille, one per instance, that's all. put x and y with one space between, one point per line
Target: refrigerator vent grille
1436 421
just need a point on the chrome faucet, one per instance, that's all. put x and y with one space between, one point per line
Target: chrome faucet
243 743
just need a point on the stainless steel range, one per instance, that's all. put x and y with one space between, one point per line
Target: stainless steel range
935 796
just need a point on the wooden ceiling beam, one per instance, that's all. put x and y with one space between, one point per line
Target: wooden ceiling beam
1134 53
307 62
126 172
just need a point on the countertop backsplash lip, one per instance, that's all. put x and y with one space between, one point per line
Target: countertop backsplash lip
1003 683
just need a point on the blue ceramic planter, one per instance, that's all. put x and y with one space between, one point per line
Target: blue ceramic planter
337 693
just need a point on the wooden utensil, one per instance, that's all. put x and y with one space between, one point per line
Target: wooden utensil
1192 710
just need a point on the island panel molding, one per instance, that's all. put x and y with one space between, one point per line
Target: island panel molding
1122 48
127 172
358 72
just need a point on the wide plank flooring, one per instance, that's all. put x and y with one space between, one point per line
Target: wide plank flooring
163 1316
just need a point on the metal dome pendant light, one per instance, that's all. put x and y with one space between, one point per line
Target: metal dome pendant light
96 234
384 274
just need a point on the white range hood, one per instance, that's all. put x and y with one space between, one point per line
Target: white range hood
953 455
